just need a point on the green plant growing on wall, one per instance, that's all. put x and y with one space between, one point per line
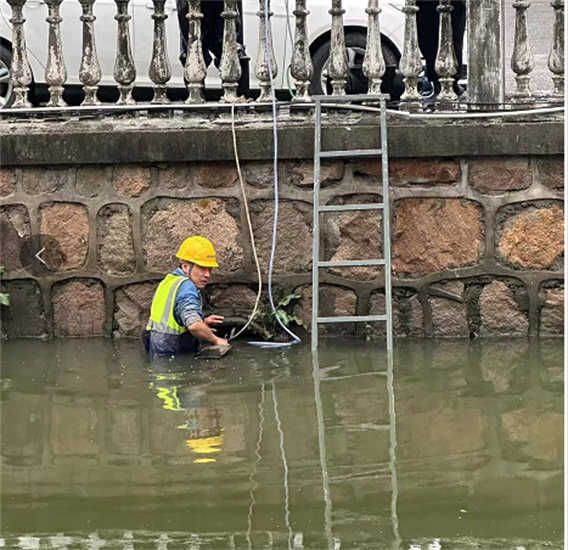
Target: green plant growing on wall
266 320
4 296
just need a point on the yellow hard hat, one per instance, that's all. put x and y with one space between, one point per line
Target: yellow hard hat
198 250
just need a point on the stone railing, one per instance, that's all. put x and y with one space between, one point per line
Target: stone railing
485 51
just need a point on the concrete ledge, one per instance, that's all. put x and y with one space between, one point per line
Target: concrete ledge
183 138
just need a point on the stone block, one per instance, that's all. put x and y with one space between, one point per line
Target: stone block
40 181
115 241
334 301
234 299
166 223
531 236
132 309
131 180
535 435
91 180
432 235
413 171
354 236
124 432
73 430
7 181
14 232
261 174
552 312
25 317
449 317
551 171
499 174
293 246
176 176
407 315
302 173
68 224
215 175
500 313
79 308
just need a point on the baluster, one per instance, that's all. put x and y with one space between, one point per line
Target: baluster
21 70
160 70
411 62
261 69
90 70
522 61
55 71
338 61
374 63
556 58
446 62
195 70
230 66
124 68
301 67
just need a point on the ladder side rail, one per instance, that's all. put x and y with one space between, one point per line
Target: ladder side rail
386 226
316 236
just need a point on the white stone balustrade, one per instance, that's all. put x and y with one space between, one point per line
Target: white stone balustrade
485 86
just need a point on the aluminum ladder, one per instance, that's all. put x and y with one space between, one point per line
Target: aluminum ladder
317 264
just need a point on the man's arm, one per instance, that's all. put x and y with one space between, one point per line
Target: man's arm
200 330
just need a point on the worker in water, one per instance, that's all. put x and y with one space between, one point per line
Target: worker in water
176 323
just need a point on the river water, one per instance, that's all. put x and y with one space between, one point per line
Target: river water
277 449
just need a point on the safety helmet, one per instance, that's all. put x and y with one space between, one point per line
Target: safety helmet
198 250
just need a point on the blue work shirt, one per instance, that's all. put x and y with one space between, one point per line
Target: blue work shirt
188 307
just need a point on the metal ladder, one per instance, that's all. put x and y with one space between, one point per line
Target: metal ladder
318 209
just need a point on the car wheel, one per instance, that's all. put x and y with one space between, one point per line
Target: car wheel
7 95
357 83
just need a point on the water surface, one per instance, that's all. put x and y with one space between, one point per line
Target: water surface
103 449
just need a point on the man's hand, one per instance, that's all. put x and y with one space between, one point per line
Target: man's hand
213 320
222 342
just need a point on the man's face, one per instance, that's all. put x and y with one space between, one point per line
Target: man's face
199 275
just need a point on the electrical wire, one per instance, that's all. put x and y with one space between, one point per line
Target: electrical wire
275 137
249 222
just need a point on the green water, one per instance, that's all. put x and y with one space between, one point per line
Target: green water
101 449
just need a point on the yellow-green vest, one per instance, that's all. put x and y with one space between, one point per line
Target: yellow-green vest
162 312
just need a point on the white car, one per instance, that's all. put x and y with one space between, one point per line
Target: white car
141 26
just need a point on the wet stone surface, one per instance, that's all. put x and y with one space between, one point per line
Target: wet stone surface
115 242
531 237
488 175
68 224
79 308
435 234
167 223
132 309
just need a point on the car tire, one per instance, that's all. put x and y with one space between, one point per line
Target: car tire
7 95
356 43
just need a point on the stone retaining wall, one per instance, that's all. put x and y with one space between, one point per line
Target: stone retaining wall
478 242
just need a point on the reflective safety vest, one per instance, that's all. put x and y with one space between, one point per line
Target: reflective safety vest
162 312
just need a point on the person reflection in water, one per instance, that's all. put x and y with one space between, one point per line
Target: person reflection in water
203 432
177 323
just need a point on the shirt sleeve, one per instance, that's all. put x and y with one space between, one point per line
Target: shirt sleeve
187 306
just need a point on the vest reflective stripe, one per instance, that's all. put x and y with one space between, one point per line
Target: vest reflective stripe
162 312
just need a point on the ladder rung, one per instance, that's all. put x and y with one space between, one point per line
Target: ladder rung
354 153
348 207
351 263
354 319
